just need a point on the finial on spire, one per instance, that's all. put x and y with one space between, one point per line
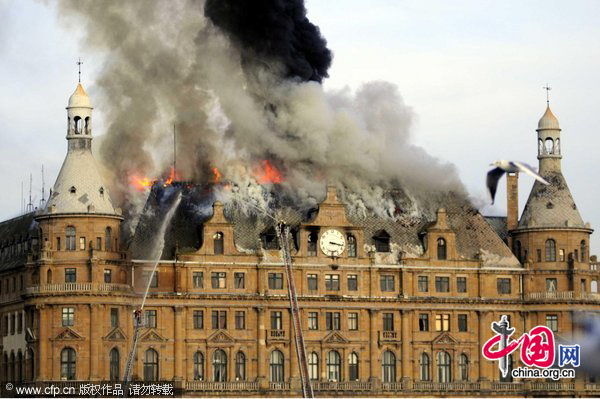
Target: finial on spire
547 88
79 62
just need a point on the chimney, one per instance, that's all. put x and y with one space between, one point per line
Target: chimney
512 200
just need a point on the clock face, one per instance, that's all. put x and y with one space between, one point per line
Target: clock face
332 243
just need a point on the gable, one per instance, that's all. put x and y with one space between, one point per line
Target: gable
68 334
115 335
152 336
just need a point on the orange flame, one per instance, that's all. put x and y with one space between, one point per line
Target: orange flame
269 174
141 183
169 181
217 175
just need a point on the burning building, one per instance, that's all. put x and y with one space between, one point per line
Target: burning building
388 306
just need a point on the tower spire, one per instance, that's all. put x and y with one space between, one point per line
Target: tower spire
79 62
547 88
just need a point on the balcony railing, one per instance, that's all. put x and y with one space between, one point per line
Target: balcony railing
279 386
277 333
507 386
341 386
553 386
76 287
221 386
391 386
590 386
550 295
389 334
446 386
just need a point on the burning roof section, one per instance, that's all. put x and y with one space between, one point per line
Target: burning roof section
475 238
17 237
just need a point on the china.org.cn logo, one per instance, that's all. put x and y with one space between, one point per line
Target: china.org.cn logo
537 350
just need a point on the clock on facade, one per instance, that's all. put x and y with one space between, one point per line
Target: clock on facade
332 243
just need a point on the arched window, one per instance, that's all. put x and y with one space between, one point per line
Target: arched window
218 243
107 238
240 367
77 121
351 246
198 366
463 367
30 365
313 366
549 146
151 365
313 237
353 366
67 364
19 367
382 241
509 377
70 241
557 147
594 286
388 366
550 250
334 366
276 367
49 277
424 367
87 125
441 248
444 367
540 147
219 365
114 364
517 250
583 251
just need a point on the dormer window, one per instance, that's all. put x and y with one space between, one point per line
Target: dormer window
441 249
382 241
313 237
102 191
218 243
269 239
72 190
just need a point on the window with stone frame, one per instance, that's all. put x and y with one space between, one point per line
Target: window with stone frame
423 284
352 321
442 284
332 321
462 323
68 317
332 282
198 279
352 282
198 319
313 320
503 285
239 280
423 322
275 281
388 322
312 282
461 284
387 283
218 280
240 320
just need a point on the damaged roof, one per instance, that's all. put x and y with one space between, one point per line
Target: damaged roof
13 231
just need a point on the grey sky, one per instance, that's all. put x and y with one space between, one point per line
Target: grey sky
473 72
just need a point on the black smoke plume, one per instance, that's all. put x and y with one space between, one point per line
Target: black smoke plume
274 30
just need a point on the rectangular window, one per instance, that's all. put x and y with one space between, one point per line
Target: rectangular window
68 317
386 283
552 322
583 285
442 284
239 280
313 282
219 319
551 284
332 282
276 321
462 322
99 243
388 322
313 320
198 319
82 243
503 285
352 321
442 322
539 254
150 316
423 284
218 279
423 322
70 275
198 279
561 255
352 282
275 281
240 320
154 279
107 276
114 317
58 243
461 284
332 321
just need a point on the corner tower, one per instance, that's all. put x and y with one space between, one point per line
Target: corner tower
551 237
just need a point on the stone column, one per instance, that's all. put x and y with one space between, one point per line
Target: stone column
261 350
406 345
179 342
95 326
44 335
373 349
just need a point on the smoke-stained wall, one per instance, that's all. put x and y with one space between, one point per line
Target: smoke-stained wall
241 82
